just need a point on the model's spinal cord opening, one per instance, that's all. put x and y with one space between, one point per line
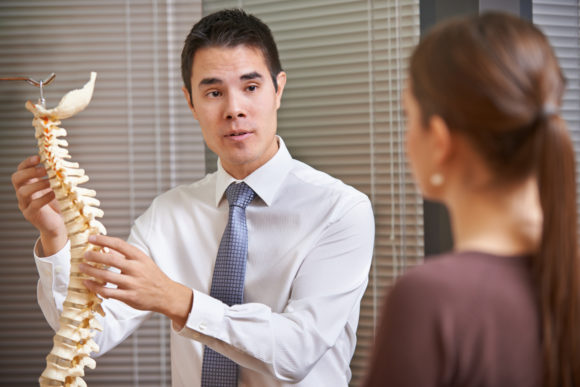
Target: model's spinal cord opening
73 342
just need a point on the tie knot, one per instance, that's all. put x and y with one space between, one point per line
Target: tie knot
239 194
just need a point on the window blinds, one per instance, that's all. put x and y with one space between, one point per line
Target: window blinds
340 113
560 21
135 140
346 65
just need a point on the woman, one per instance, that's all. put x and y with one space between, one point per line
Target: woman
485 137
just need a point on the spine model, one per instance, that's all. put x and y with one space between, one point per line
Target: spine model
73 342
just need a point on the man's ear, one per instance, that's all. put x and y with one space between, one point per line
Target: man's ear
189 101
281 81
442 139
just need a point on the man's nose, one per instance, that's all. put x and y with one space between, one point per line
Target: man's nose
234 107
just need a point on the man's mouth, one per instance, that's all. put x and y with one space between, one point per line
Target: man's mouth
237 134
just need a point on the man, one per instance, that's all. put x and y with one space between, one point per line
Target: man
309 236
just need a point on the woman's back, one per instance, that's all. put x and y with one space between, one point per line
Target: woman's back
465 319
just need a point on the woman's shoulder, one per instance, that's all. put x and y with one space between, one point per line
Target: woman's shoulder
463 276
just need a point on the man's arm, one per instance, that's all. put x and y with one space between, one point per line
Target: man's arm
323 307
36 201
326 294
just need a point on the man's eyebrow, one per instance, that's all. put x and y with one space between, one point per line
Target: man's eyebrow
210 81
217 81
250 76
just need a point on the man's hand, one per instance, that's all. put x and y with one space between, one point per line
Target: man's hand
140 283
36 201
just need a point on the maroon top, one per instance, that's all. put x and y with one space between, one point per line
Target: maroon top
463 319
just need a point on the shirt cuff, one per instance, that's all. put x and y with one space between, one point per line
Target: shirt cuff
206 317
53 270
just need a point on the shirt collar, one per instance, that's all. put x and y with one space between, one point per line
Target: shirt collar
265 181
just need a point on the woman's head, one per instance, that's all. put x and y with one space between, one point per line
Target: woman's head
492 84
493 79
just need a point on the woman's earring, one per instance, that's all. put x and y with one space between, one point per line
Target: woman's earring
436 180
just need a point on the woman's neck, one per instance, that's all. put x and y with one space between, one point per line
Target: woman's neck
502 222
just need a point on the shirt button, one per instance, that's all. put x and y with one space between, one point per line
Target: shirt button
202 327
58 269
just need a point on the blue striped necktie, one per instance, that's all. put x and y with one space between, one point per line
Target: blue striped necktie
228 281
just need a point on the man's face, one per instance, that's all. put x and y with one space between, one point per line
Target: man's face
234 100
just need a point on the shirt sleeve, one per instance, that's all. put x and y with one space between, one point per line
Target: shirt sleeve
409 348
324 302
53 272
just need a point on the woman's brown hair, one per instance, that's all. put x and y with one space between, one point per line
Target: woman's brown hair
495 78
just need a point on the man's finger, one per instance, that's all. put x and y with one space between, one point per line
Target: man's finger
106 291
36 204
29 192
110 258
103 275
29 162
26 175
126 249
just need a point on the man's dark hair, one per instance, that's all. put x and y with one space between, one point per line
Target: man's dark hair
229 28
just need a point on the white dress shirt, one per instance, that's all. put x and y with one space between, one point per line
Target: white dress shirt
309 253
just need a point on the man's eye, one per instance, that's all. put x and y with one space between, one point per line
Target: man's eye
252 88
213 94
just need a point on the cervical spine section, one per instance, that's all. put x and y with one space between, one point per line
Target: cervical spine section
73 342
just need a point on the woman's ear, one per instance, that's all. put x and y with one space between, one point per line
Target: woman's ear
442 141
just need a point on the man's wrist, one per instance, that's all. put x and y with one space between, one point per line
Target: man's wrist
179 305
51 244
